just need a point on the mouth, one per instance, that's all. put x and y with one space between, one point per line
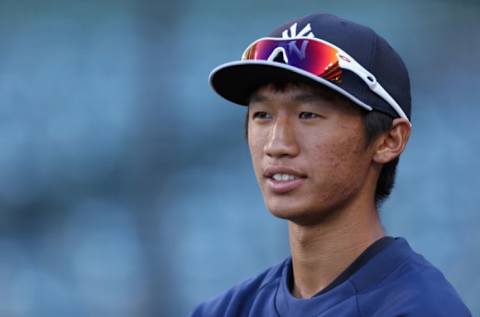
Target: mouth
279 177
282 180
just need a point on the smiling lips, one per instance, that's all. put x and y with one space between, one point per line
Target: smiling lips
283 179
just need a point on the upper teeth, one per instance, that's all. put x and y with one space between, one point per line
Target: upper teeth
283 177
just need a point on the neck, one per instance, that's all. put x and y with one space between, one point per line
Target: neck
323 251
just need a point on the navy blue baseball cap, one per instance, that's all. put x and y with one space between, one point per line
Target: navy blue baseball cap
237 80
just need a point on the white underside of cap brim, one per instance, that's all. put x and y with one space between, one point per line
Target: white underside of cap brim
292 69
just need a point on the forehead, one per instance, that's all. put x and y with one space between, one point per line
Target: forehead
298 93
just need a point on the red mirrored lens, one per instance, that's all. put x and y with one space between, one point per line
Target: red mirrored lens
310 55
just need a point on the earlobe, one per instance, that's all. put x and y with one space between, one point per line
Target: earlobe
392 143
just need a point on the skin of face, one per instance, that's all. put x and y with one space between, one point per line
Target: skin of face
319 137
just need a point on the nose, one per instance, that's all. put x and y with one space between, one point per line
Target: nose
282 139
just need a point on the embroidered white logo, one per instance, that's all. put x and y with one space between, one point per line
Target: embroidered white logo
305 32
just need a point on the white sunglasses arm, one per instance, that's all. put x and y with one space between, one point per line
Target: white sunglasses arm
347 62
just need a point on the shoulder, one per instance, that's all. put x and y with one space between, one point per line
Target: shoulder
237 299
417 288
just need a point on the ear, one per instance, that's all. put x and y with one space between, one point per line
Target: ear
392 143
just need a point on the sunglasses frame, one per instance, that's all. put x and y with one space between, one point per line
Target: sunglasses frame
345 61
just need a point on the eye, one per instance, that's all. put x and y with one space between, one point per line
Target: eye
261 115
308 115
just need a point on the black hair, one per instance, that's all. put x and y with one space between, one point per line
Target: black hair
376 123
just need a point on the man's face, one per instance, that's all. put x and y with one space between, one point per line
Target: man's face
309 151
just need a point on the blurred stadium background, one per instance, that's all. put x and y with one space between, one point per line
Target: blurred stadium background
125 183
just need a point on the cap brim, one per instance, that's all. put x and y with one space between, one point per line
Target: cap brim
236 81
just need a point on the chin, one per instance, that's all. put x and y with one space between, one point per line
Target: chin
288 210
299 212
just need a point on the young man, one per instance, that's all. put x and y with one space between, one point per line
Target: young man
328 117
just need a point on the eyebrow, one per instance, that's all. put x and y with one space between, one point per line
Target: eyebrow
256 98
302 97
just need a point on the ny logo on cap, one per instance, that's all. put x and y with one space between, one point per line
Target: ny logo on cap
299 51
305 32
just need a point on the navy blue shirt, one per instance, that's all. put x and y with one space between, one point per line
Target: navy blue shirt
388 280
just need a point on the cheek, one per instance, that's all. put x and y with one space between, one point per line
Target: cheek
339 158
255 146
